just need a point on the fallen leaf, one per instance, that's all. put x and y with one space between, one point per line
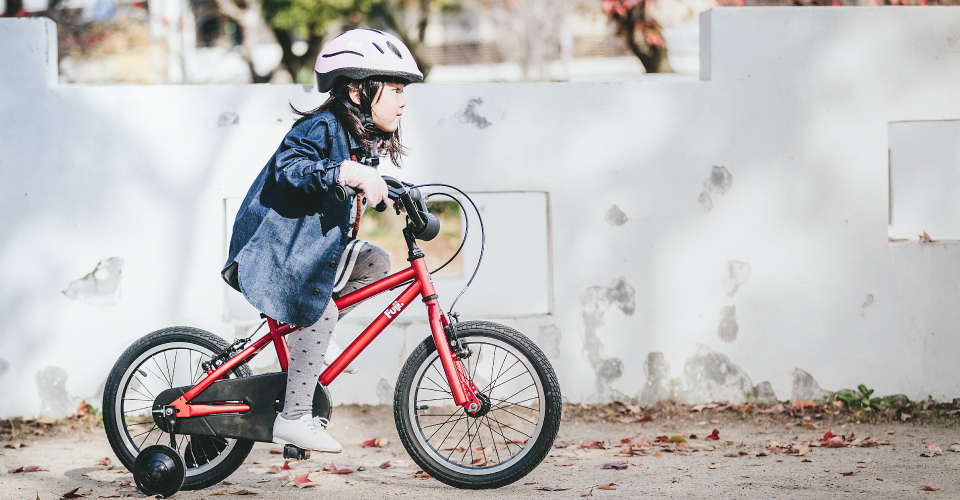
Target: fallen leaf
932 451
421 475
848 473
385 465
335 470
955 447
829 435
221 492
302 480
925 238
677 439
595 445
29 468
929 487
550 488
864 461
560 444
809 460
588 494
244 492
45 420
714 436
810 425
15 446
733 454
905 416
276 451
286 465
614 465
835 442
644 418
610 486
805 403
72 494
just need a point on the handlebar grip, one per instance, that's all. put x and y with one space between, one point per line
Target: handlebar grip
343 193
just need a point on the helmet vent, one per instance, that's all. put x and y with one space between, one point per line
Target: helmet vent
394 49
378 48
343 52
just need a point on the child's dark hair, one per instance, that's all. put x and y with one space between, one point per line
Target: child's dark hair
369 90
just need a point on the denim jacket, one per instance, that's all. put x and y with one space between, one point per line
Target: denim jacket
290 233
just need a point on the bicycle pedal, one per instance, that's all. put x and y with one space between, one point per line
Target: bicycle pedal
294 452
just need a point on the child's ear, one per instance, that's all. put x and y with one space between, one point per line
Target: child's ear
354 93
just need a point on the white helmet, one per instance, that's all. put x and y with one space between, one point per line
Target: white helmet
362 53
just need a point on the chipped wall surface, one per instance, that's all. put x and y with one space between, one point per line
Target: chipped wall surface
760 189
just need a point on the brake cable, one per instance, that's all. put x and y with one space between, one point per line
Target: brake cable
483 237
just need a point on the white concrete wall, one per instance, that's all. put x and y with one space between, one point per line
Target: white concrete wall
794 104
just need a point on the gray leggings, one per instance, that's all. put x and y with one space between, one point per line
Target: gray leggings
309 344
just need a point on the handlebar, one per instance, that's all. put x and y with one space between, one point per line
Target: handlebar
422 224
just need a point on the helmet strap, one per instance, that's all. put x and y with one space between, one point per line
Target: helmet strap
365 115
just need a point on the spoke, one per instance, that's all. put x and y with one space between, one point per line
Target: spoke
518 402
501 373
493 439
437 415
166 363
150 397
477 364
434 390
197 372
441 423
518 416
435 399
458 442
136 399
521 390
154 358
511 428
469 445
438 385
442 377
491 385
138 409
144 432
506 441
147 436
173 373
448 432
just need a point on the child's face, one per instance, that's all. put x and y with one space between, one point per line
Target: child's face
388 106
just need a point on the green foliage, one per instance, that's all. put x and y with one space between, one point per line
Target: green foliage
863 399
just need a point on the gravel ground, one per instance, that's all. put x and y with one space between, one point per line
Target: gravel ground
68 457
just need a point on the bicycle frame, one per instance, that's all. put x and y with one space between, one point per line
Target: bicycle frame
462 388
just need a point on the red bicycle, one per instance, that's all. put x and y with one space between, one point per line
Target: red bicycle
477 404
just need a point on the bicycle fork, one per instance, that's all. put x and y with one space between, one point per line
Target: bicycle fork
463 390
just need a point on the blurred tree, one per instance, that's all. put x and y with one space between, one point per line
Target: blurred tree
641 32
300 25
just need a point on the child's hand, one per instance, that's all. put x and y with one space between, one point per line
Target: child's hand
365 178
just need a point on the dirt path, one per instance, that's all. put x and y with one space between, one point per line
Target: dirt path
70 458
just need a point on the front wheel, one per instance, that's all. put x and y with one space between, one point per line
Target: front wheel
511 433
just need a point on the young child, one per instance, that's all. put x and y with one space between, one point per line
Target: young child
294 248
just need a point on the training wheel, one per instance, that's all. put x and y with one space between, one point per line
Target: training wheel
159 470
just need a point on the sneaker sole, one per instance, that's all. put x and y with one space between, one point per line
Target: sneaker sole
285 442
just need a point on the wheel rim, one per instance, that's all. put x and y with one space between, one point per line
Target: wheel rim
174 364
503 435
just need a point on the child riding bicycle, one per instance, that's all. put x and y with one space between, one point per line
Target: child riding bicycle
294 247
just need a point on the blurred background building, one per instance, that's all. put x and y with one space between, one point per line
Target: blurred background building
276 41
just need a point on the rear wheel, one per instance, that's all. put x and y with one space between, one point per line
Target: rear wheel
511 433
159 361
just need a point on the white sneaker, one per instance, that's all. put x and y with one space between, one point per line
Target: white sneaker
307 432
333 352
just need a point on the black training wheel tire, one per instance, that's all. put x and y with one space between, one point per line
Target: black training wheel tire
159 470
423 413
167 358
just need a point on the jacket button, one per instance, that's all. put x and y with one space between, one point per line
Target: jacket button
316 291
333 263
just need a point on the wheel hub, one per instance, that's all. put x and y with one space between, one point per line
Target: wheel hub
484 406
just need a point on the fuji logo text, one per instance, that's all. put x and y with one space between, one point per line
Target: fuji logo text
393 309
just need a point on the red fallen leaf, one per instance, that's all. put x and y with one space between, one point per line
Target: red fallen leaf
764 453
550 488
29 468
714 436
829 435
929 487
614 465
835 442
286 465
385 465
560 444
335 470
421 475
72 494
803 404
625 441
662 439
596 445
682 453
847 473
302 479
644 418
369 444
610 486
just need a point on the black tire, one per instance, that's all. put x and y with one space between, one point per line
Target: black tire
150 366
532 411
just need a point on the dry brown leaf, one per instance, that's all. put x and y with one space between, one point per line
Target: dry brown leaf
608 486
925 238
45 420
810 425
614 465
550 488
72 494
